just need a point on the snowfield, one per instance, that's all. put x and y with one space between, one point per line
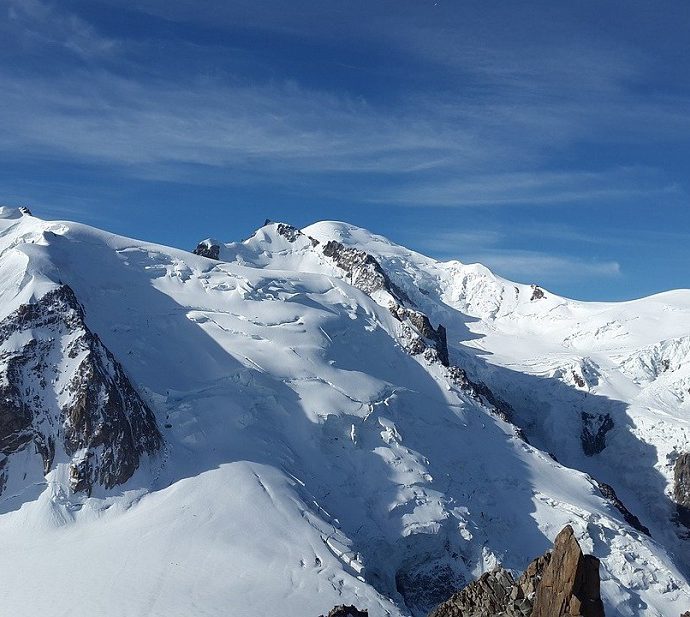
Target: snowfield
311 459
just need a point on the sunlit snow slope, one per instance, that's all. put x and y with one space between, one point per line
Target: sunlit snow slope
316 452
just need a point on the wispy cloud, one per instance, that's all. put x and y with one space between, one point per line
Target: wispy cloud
285 133
278 126
479 238
496 248
535 187
485 138
536 266
488 248
35 22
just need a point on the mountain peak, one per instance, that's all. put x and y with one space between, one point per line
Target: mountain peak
7 212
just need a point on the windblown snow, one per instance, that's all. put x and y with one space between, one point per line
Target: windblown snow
313 455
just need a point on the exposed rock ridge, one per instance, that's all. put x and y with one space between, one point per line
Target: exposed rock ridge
482 393
365 273
63 391
608 493
292 234
208 248
363 270
561 583
346 611
537 293
430 336
681 487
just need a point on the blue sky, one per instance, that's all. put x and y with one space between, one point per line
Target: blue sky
548 140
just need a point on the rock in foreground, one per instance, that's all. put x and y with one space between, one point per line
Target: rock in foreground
346 611
561 583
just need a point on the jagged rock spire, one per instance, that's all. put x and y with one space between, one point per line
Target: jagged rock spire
346 611
681 487
561 583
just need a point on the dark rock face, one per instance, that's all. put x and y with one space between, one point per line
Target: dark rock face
681 487
292 233
594 429
363 271
366 274
25 210
288 231
65 393
346 611
608 493
207 249
493 593
537 293
497 593
481 392
570 583
561 583
421 323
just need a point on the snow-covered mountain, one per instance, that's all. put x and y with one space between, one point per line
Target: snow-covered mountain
317 417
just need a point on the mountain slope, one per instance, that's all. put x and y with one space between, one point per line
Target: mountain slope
317 447
603 386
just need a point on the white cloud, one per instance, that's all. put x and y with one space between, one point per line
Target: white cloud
490 247
487 144
537 266
479 238
277 126
37 22
533 188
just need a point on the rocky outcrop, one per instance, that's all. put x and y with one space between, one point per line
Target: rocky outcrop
63 392
681 487
594 429
418 334
493 593
537 293
362 270
561 583
208 248
482 393
570 583
430 336
497 593
292 234
346 611
609 494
